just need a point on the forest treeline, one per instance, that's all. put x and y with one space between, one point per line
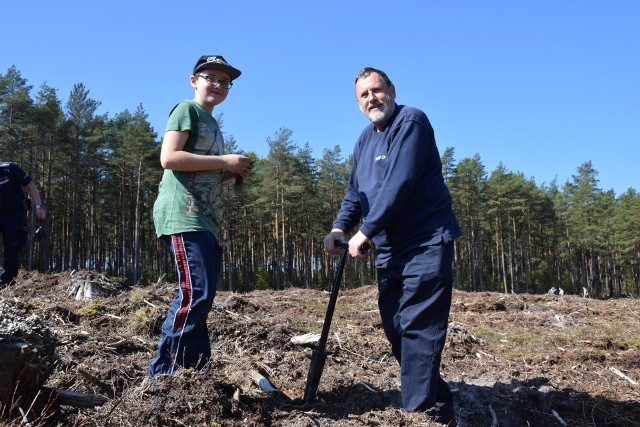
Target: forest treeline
98 177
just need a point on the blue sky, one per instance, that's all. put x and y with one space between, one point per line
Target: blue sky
539 85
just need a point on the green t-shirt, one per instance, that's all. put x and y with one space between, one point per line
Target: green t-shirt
191 201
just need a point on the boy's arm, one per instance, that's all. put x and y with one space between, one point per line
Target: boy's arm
172 156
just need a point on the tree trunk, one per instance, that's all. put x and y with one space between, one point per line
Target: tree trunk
24 368
136 226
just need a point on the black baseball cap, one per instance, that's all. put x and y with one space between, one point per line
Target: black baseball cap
216 62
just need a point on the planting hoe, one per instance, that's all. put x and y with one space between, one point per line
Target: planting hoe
319 354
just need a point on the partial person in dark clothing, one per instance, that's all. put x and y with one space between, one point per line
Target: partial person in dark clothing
14 206
397 192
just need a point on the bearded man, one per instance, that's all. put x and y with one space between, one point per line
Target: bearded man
397 194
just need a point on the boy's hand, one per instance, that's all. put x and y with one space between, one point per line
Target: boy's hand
238 165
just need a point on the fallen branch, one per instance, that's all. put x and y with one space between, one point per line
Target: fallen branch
367 386
305 339
236 315
347 350
617 372
265 368
488 355
141 340
338 339
115 345
147 302
92 379
25 419
78 400
113 315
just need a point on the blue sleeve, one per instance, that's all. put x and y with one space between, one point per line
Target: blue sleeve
408 156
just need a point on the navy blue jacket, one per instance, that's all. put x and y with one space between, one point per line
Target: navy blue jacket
397 189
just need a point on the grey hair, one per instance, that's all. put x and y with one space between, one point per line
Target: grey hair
366 72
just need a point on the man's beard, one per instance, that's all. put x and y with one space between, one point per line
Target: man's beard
388 108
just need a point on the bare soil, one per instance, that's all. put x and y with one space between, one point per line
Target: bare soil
512 360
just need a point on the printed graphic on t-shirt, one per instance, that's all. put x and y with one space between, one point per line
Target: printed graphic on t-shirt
204 192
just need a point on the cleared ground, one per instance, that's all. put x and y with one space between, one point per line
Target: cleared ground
512 360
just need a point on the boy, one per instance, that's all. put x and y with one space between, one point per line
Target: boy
188 211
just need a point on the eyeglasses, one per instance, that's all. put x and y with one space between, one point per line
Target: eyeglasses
213 80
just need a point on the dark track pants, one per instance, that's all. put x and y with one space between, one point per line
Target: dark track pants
185 336
14 235
414 301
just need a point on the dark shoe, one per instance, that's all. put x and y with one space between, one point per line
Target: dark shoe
447 419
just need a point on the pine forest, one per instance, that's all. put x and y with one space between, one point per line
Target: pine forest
98 177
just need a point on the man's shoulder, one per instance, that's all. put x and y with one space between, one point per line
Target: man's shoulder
408 112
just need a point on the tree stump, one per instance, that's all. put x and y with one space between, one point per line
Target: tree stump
87 285
27 358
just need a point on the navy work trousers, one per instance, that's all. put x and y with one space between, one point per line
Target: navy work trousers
185 336
14 235
414 300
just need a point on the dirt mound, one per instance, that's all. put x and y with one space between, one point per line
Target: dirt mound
512 360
